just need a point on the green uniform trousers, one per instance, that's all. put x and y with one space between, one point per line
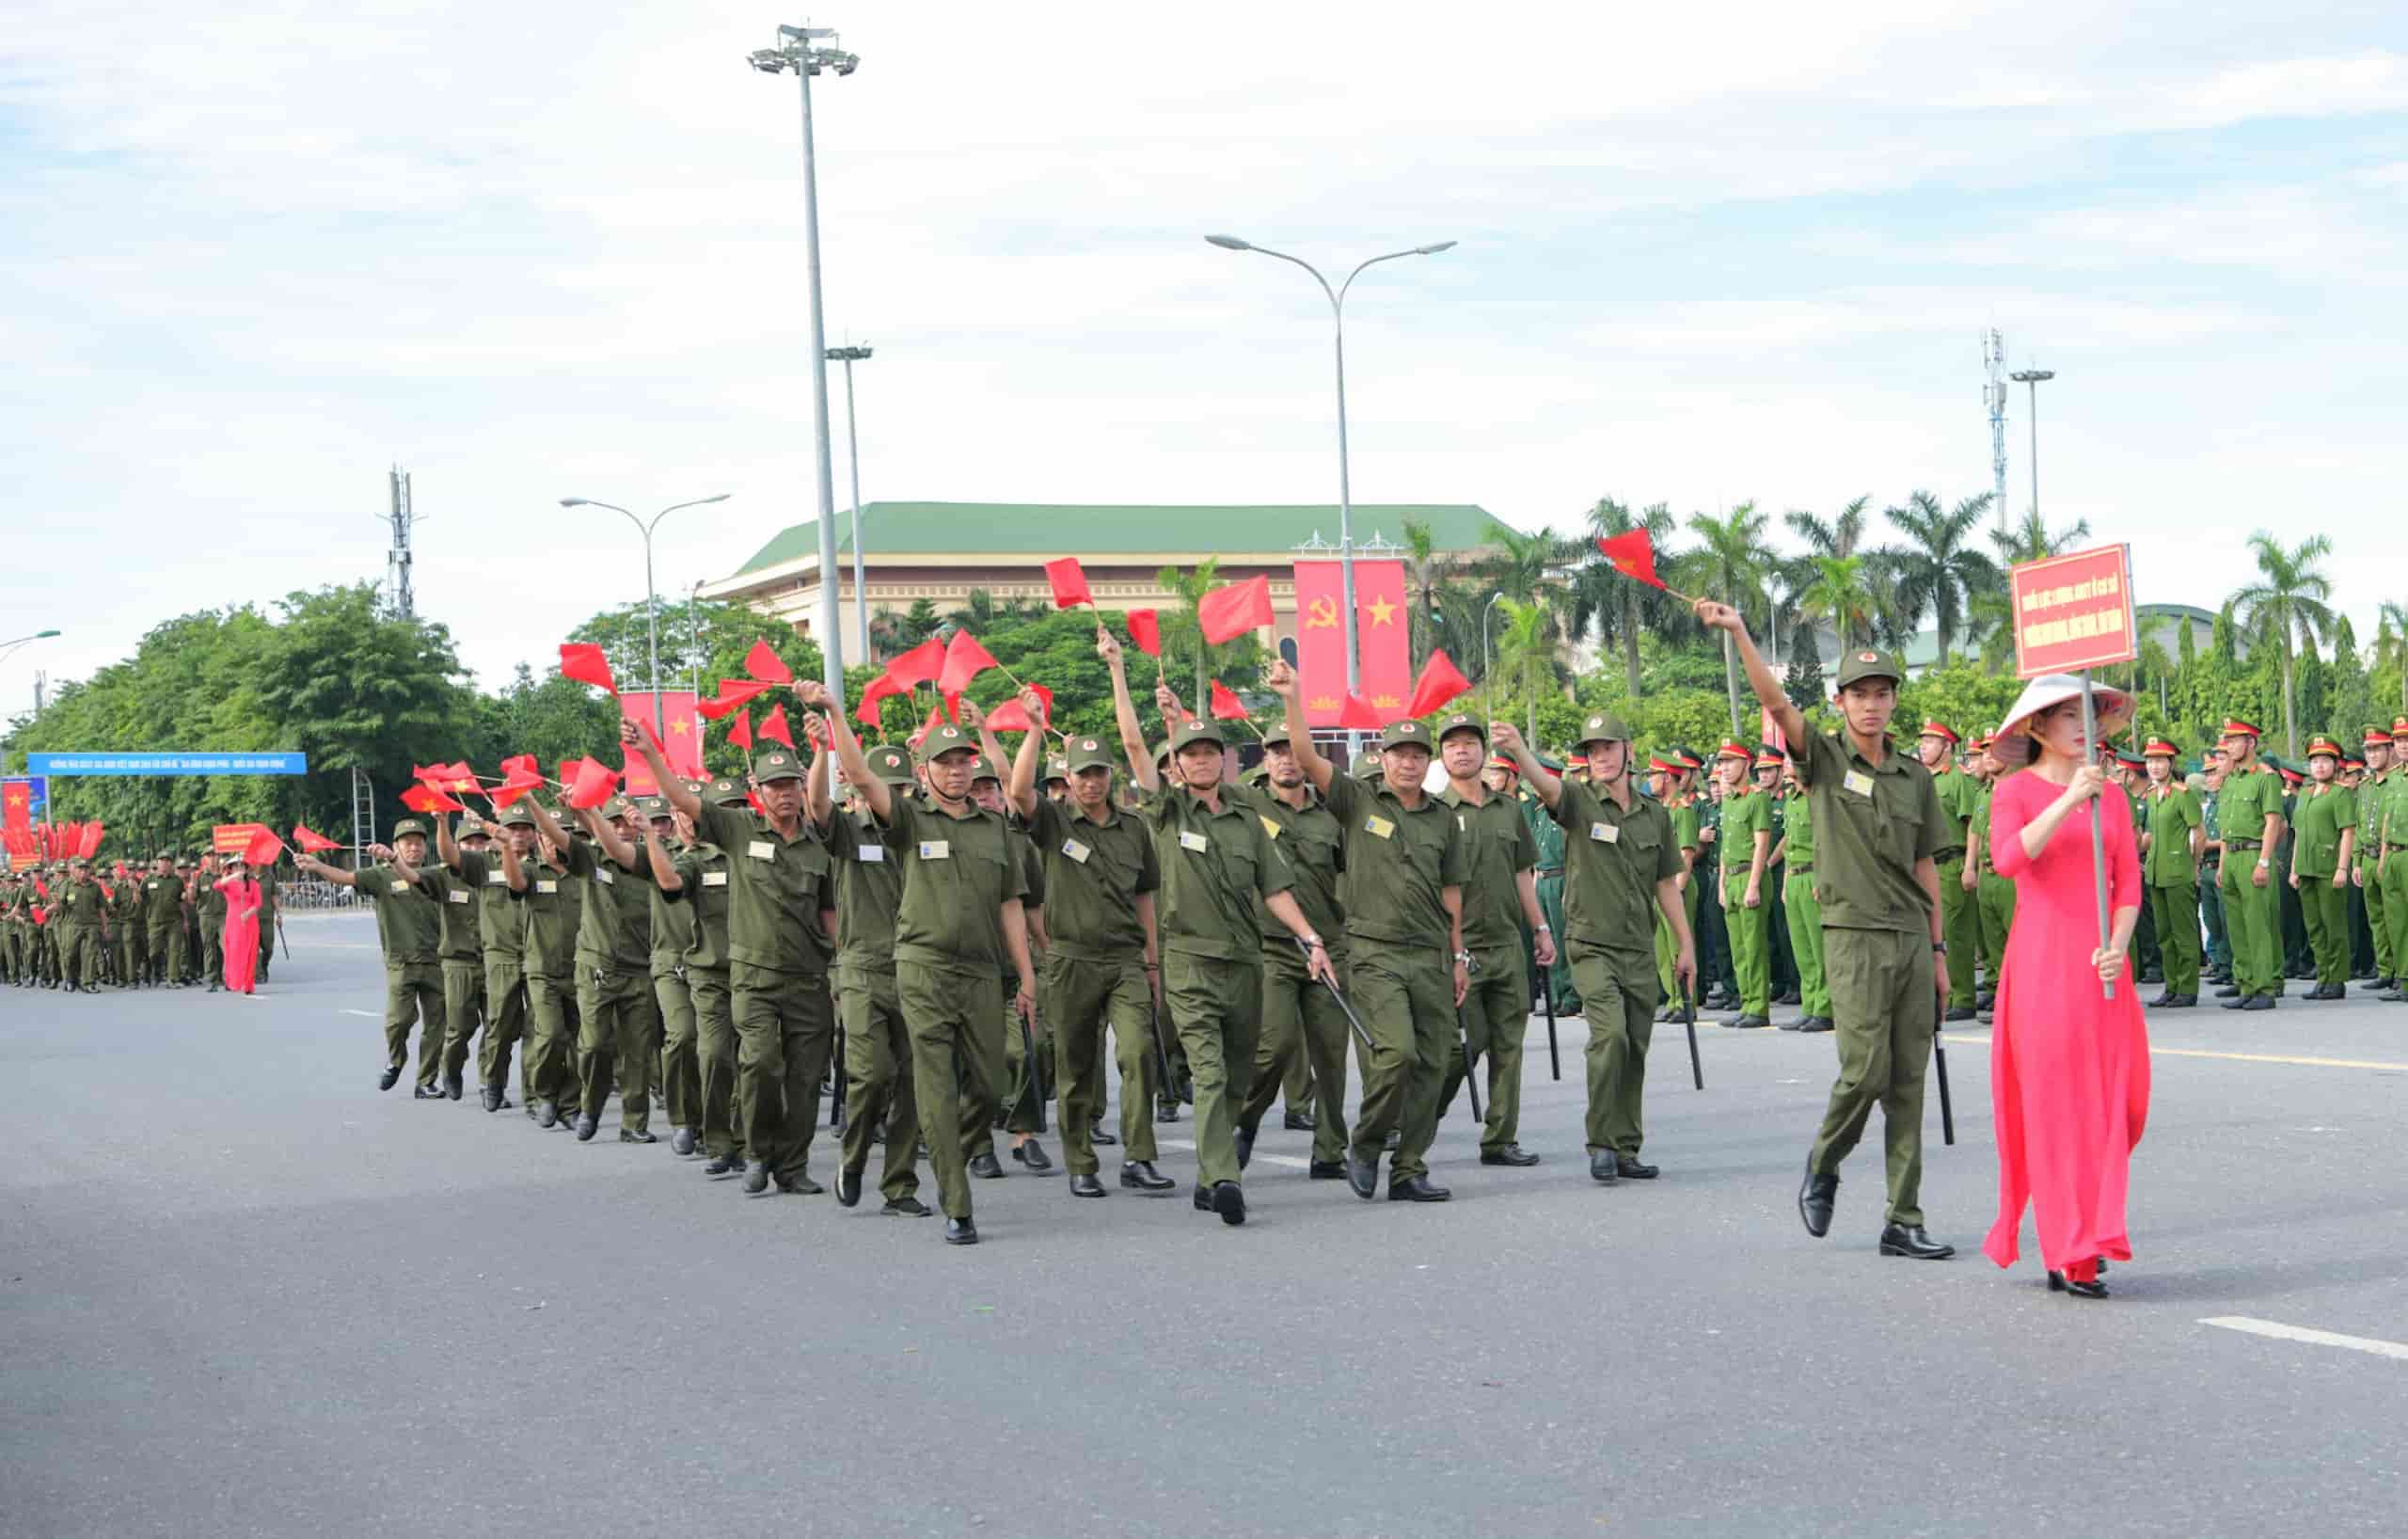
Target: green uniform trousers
1302 1009
2212 916
2378 917
785 1029
617 1032
551 1041
2395 902
1558 977
1495 1016
128 952
1406 997
2253 924
213 949
1885 1012
2326 910
464 1010
1216 1007
1283 1069
2176 906
414 997
2148 957
681 1083
79 954
167 952
879 1093
267 941
1082 998
1806 940
715 1058
1995 896
1618 997
505 1023
1960 922
1750 945
956 1023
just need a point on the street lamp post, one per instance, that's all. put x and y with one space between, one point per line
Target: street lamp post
6 647
1488 657
806 51
2031 378
849 357
1345 490
651 607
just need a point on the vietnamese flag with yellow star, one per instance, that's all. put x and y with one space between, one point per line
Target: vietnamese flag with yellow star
681 737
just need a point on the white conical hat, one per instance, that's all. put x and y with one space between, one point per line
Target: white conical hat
2013 745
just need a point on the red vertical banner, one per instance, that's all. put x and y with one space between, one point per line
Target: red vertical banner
1381 627
681 737
1321 640
1383 632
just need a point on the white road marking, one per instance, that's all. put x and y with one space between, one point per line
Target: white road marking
370 1014
2156 1052
1289 1160
2314 1337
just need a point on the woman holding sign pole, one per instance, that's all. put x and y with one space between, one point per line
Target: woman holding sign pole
2069 1057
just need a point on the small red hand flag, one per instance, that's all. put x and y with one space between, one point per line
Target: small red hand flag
732 693
1226 706
593 784
773 727
265 848
1633 555
1356 715
866 713
1146 629
584 662
921 665
426 799
964 660
1226 613
311 841
766 666
1069 581
1438 683
740 735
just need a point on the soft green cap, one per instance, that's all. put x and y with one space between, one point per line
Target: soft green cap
1868 664
1086 754
1196 729
777 763
1410 733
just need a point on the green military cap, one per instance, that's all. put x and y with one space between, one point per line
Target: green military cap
980 770
472 827
1162 753
183 863
1408 732
653 806
1087 754
518 814
1463 721
78 861
1366 766
618 807
409 825
1196 729
1858 666
1057 769
697 786
1603 727
945 739
891 766
1549 763
1277 732
724 792
777 763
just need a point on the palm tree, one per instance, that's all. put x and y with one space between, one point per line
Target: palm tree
1184 629
1521 566
1840 537
1425 574
2391 645
1729 566
1838 594
1938 571
1526 656
1620 609
2029 539
2289 601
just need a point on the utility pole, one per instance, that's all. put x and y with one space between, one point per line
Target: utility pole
400 601
1994 397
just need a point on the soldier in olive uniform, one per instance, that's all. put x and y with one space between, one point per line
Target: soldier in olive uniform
1993 894
210 908
1959 798
78 915
702 877
2250 826
1027 1038
1746 845
619 1029
1548 835
670 926
125 920
2328 831
2391 865
2374 791
2171 841
409 927
162 920
501 941
1877 824
462 950
1805 910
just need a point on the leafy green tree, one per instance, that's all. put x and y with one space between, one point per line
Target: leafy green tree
2391 647
1729 565
1623 612
697 647
1937 571
1837 593
2289 603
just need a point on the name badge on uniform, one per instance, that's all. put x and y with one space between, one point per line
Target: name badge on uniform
1463 824
1195 841
1270 827
497 879
1380 827
873 854
606 875
400 886
1605 833
457 894
547 887
1076 850
714 879
936 849
1857 783
759 849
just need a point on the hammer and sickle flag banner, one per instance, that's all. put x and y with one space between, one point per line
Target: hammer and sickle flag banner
681 737
1381 632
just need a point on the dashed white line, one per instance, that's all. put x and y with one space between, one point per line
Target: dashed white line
2314 1337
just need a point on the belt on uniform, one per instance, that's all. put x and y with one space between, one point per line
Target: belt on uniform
1941 856
2393 844
2244 844
1798 868
1550 870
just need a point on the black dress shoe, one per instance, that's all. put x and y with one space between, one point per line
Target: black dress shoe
729 1164
1245 1147
1166 1114
1298 1121
1983 1003
756 1178
961 1231
1787 996
1100 1136
2239 1002
1417 1189
1960 1012
2183 1002
1814 1201
904 1207
1512 1154
1032 1154
801 1183
1141 1176
1911 1241
849 1186
586 1125
1603 1168
1327 1170
1752 1023
427 1093
452 1086
390 1078
1086 1186
1815 1022
1630 1169
492 1097
985 1169
2259 1002
1363 1176
1229 1200
681 1140
1200 1197
638 1135
2230 990
2160 1002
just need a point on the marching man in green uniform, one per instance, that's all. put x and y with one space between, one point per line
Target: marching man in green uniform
501 939
78 915
1959 798
2249 824
1878 823
697 877
211 904
409 926
2373 790
2172 840
1993 894
2391 866
1746 844
1624 872
1805 910
2328 831
163 917
464 955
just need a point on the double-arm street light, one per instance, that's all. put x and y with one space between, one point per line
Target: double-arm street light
1345 489
651 609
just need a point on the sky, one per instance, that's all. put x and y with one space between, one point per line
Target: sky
252 255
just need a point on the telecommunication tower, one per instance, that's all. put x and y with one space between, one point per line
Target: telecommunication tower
398 599
1994 397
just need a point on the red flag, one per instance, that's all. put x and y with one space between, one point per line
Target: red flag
866 713
752 799
1633 555
568 772
766 666
732 693
1012 717
517 762
952 706
964 660
593 784
1438 683
773 727
740 735
921 665
1226 613
584 662
928 726
90 843
1226 706
1146 629
1069 581
265 848
426 799
1356 715
310 841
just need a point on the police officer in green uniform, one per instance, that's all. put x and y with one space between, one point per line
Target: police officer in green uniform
1805 910
2374 788
2171 841
2391 866
1993 894
618 1018
501 939
1746 845
1405 865
162 919
2320 858
2295 960
409 927
1027 1038
1878 823
2249 825
78 915
670 926
1959 797
699 877
125 918
209 905
462 950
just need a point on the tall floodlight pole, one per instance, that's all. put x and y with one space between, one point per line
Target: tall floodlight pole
651 605
849 357
2031 378
806 51
1345 486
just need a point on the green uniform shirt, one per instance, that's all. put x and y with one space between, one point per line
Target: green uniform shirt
614 930
1873 824
1216 867
163 898
775 892
1308 839
702 869
1959 795
461 939
2243 803
82 903
869 885
211 902
1615 859
127 905
1798 830
2395 812
1686 823
1744 816
549 904
1398 862
1548 834
1093 873
2171 819
957 875
2322 819
2374 795
1498 847
673 922
409 917
501 926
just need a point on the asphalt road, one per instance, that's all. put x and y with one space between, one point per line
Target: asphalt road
243 1292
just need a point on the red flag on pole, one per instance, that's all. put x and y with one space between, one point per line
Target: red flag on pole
766 665
964 660
740 735
426 799
921 665
1226 706
928 726
265 848
311 841
89 845
593 784
1146 629
1226 613
1633 555
773 727
584 662
1439 683
732 693
1012 717
1069 581
866 713
1356 715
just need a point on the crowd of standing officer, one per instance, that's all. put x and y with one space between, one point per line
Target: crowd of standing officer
73 928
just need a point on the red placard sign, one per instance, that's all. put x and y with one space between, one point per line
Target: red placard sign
2073 612
233 838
